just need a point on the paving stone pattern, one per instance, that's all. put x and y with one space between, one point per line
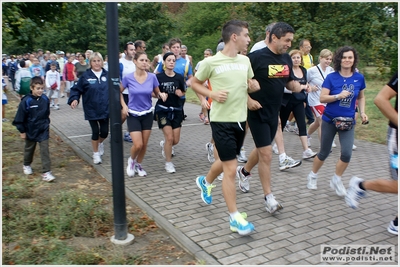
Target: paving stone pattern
291 236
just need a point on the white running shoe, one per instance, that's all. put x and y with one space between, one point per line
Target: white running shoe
244 183
221 176
28 170
393 229
288 163
337 185
101 149
139 170
312 181
308 154
130 169
162 148
169 167
275 149
271 205
354 193
96 158
48 177
210 152
333 143
354 147
56 107
242 156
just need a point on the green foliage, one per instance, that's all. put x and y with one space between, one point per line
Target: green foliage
371 27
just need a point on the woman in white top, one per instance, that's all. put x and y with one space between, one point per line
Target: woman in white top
315 77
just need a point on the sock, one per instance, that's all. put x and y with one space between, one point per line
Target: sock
244 172
206 183
361 186
234 214
313 174
282 157
395 222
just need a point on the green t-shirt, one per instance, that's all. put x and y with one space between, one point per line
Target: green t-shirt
231 74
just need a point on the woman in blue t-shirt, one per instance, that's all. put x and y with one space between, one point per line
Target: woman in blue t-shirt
340 91
142 85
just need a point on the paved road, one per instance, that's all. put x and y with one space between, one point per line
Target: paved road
292 236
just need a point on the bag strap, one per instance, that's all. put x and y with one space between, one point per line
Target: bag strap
321 73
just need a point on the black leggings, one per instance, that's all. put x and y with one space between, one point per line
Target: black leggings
297 107
99 128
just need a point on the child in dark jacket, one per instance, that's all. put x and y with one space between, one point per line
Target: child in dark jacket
33 122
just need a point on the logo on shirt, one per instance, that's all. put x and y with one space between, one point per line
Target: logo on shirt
103 78
278 71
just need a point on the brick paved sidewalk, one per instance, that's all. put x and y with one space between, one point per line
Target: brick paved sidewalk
292 236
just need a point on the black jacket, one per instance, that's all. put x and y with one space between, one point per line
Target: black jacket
33 117
94 94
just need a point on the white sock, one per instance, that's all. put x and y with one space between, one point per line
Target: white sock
313 174
282 156
206 183
234 214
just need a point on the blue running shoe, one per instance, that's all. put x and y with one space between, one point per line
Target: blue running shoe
240 225
127 137
205 190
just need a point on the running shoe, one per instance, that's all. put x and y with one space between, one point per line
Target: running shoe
242 156
271 205
308 154
96 158
130 169
210 152
205 190
48 177
244 183
275 149
162 148
354 193
288 163
27 170
393 229
337 185
169 167
312 181
240 225
139 170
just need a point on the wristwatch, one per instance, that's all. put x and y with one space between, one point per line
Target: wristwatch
336 97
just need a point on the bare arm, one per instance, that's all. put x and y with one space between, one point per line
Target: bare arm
382 101
294 86
361 105
325 97
199 88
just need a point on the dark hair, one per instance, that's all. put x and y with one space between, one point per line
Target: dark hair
128 43
22 63
139 43
164 45
36 80
138 54
280 29
53 64
231 27
167 55
337 58
174 41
